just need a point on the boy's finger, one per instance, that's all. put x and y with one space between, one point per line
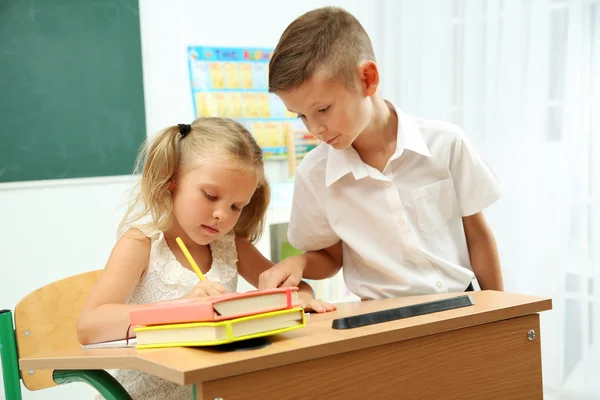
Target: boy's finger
264 278
290 281
273 280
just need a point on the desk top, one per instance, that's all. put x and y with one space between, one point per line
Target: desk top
317 339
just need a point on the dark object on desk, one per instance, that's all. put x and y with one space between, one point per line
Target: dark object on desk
393 314
243 345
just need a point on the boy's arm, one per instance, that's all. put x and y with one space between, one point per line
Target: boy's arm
320 264
323 264
483 252
252 264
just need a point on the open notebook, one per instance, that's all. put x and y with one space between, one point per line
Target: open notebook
221 332
112 344
215 308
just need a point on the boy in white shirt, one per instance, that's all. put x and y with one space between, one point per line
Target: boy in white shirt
397 200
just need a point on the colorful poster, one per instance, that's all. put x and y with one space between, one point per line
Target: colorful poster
233 82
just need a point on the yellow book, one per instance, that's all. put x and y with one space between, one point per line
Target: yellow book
222 332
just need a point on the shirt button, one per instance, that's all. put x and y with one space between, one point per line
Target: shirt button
439 285
389 183
401 222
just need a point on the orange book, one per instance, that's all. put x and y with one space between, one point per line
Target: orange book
215 308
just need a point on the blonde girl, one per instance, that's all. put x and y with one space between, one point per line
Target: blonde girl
202 182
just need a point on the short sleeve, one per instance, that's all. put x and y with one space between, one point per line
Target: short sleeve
309 229
475 184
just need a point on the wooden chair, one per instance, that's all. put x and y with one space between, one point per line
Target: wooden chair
47 318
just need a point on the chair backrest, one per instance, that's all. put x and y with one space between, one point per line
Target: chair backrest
46 319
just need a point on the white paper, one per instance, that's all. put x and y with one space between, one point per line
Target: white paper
111 344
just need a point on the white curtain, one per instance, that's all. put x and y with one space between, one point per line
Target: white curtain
522 77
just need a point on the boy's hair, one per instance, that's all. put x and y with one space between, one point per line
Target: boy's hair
169 154
328 40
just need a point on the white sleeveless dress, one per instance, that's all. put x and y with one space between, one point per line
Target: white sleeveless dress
166 279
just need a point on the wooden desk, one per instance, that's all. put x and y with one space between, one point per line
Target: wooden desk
481 352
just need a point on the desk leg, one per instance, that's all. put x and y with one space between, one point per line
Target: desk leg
491 361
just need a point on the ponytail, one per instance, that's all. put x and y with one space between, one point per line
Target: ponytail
157 162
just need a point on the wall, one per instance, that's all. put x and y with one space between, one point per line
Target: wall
55 229
168 30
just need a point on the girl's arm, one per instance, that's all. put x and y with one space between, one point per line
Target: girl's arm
105 316
251 263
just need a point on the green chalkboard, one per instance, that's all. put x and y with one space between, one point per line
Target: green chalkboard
71 88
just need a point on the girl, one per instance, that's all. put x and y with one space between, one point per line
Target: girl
204 183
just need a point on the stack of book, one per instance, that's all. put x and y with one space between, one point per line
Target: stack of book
217 320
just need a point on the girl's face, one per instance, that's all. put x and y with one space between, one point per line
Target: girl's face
208 199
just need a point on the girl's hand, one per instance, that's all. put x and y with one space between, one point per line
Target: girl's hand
206 288
318 306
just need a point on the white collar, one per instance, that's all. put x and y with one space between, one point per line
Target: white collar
342 162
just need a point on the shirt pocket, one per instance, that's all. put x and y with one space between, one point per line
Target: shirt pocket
434 204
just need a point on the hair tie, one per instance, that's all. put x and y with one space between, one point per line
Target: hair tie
184 129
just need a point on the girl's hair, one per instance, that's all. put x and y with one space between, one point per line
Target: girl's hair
176 151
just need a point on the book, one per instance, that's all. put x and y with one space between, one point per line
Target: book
215 308
220 332
113 344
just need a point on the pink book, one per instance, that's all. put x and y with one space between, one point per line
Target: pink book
215 308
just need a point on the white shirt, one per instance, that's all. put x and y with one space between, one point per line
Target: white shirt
402 229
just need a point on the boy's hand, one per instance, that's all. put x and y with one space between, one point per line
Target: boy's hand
206 288
285 274
318 306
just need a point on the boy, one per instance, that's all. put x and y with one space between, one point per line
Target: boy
397 200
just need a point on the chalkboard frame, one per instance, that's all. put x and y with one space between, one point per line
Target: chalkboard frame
71 89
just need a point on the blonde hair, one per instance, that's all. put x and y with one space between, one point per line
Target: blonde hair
170 153
329 40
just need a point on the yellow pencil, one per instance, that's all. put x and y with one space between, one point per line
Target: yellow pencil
187 255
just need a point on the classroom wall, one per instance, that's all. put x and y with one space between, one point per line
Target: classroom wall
54 229
168 30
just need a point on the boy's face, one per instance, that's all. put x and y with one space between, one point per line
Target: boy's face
330 110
